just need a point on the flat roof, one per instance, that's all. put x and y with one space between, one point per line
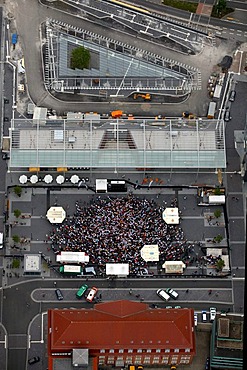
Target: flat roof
169 143
32 263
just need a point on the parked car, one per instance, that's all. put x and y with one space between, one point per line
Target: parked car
212 313
204 316
232 95
195 318
92 293
172 293
227 116
34 360
59 294
163 295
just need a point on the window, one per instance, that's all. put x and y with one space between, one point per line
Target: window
130 350
102 351
176 350
187 349
139 350
111 350
121 350
147 360
158 350
167 350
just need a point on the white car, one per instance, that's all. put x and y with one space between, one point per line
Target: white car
212 313
204 316
195 318
172 293
163 295
92 293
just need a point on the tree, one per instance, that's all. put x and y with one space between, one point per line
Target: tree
220 6
15 263
80 58
220 264
217 213
218 238
17 213
217 191
18 190
16 238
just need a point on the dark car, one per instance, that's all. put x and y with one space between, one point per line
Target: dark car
232 95
5 156
226 62
59 294
227 116
34 360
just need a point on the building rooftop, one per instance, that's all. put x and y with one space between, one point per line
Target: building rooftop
169 143
133 325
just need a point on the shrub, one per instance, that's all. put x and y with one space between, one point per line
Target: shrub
218 238
16 238
16 263
217 213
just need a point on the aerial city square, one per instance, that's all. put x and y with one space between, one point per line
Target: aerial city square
123 184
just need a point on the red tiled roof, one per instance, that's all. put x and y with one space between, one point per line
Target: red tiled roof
120 324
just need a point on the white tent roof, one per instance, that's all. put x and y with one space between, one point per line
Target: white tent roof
101 185
174 267
171 216
56 215
117 269
150 252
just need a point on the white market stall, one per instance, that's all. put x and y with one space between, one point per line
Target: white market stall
174 267
72 257
119 269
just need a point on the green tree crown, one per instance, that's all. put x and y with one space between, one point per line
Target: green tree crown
80 58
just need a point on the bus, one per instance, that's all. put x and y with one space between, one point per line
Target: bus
71 270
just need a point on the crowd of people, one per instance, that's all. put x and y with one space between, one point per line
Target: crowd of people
113 230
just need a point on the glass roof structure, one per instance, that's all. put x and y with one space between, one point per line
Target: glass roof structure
114 66
121 143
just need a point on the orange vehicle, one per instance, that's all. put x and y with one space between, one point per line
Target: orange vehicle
117 113
143 96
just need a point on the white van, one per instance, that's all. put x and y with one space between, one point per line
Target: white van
1 240
163 295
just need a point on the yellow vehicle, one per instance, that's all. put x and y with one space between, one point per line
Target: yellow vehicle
143 96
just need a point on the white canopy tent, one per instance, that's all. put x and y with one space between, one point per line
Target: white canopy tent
119 269
72 257
174 267
48 179
171 216
34 179
150 253
74 179
23 179
101 185
56 215
60 179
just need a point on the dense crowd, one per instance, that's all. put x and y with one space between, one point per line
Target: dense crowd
115 230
